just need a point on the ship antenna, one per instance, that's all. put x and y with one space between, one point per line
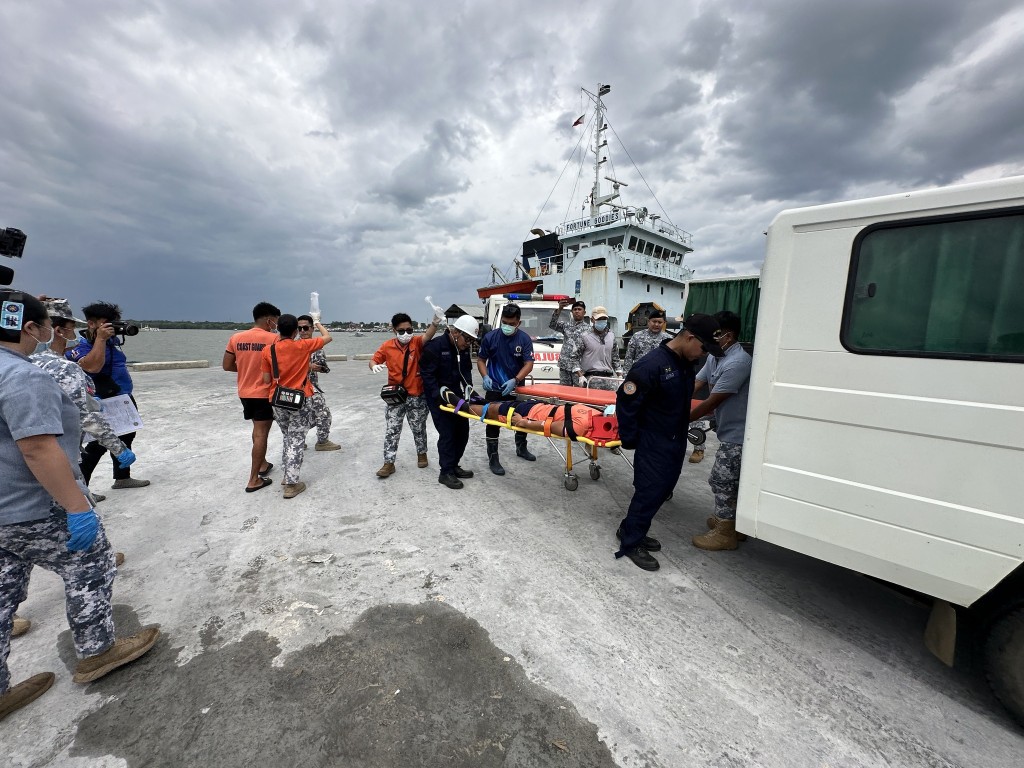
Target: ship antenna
600 142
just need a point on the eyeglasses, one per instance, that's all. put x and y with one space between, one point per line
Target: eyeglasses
305 327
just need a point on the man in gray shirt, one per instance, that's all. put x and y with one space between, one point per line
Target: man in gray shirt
571 330
729 379
45 517
594 354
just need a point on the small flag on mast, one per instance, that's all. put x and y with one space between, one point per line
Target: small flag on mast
579 120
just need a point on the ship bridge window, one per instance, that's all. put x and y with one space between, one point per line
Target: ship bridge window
592 263
614 241
632 243
598 242
657 251
648 249
640 245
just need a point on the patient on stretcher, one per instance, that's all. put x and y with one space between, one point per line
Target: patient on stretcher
531 414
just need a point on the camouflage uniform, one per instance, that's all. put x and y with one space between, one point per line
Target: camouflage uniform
640 344
294 426
725 479
571 332
322 414
77 385
414 410
88 581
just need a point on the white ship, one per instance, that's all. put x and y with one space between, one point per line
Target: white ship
622 257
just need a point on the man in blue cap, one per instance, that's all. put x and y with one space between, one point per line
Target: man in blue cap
653 408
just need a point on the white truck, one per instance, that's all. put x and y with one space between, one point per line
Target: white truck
885 426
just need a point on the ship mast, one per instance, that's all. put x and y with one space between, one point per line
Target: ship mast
600 142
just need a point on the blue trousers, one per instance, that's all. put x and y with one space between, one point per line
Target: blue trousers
656 466
452 438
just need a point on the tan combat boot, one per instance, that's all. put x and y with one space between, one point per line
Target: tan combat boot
722 536
327 445
713 521
697 456
421 460
25 692
123 651
387 470
291 490
21 626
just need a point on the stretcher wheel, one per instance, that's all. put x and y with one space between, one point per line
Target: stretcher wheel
696 436
595 472
571 482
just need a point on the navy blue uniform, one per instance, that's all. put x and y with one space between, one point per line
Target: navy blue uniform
442 365
505 357
653 408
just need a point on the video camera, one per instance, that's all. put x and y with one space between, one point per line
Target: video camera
122 328
12 245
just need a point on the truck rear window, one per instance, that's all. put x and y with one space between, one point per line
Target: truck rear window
950 287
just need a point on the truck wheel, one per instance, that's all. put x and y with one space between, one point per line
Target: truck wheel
1004 661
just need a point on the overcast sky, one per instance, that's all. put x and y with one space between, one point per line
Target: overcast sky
187 159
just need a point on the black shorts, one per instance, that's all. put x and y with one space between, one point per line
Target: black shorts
256 409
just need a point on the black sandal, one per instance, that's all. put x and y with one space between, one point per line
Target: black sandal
266 481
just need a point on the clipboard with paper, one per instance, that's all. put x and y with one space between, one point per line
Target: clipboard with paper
122 415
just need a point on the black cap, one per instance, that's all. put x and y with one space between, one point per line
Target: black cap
704 327
578 304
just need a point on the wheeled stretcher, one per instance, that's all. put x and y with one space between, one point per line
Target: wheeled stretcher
602 434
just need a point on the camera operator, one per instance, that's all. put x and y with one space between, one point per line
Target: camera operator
99 353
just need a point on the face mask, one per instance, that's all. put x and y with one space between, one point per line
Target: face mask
42 346
508 330
600 325
73 341
404 338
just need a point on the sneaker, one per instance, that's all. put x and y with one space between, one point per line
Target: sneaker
421 460
650 544
643 559
460 472
387 470
291 490
451 481
130 482
119 559
327 445
25 693
123 651
21 626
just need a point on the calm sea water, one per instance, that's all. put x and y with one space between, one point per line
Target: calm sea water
161 346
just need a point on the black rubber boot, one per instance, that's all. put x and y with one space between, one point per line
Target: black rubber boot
521 450
492 456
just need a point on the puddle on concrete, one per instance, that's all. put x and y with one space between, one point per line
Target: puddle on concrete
410 685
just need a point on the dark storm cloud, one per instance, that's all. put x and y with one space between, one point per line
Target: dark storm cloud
190 158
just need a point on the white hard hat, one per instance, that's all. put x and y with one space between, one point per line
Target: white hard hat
468 325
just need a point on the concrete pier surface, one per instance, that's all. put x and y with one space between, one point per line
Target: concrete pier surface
396 622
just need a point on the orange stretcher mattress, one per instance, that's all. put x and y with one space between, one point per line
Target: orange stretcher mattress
566 394
600 397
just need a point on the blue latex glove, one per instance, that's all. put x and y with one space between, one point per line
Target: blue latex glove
609 410
508 386
125 457
489 383
83 527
